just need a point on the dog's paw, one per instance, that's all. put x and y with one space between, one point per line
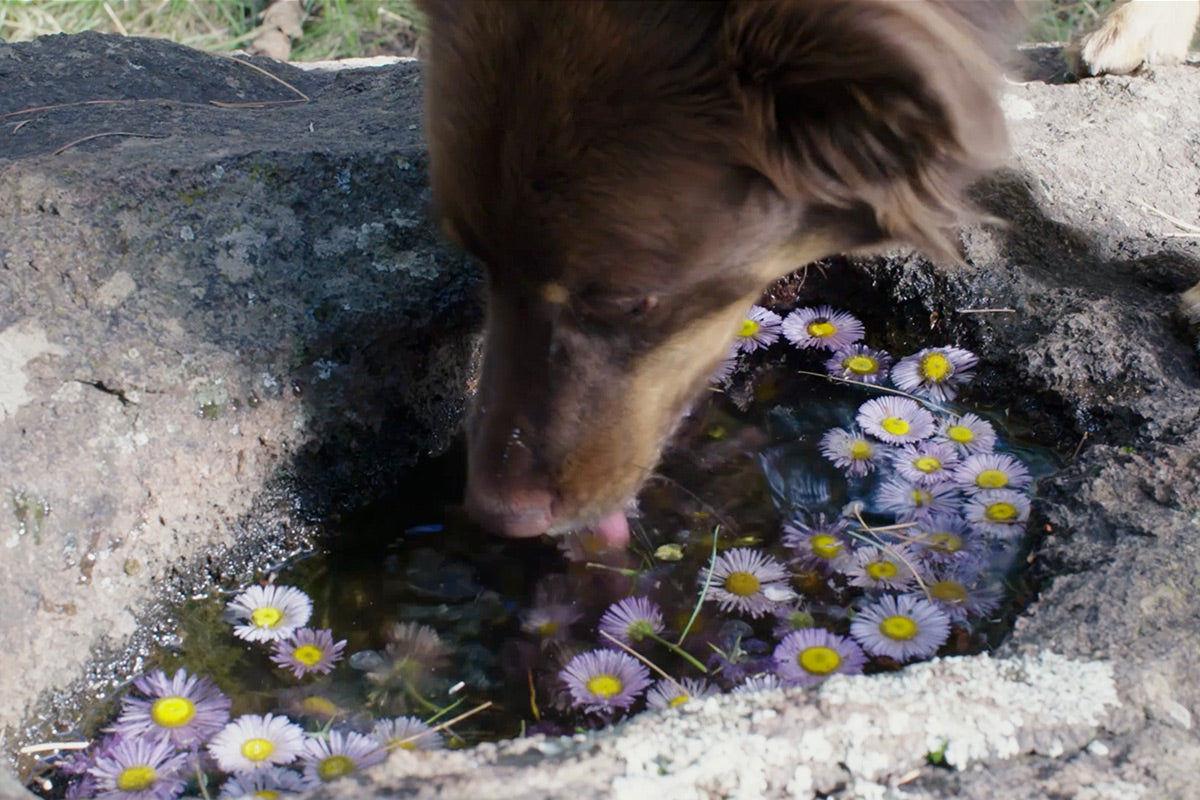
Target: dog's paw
1136 33
1189 305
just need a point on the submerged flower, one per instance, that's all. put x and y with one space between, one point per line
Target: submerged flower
902 628
946 539
859 363
851 451
268 613
759 328
788 619
602 681
669 694
551 622
820 546
308 651
986 471
187 709
882 568
961 592
633 619
822 327
809 656
342 753
1001 513
758 683
140 768
265 783
935 372
969 433
896 420
926 463
406 733
910 502
724 371
414 651
253 742
747 581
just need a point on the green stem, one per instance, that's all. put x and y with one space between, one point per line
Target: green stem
712 561
679 651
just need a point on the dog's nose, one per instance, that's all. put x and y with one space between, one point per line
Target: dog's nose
519 513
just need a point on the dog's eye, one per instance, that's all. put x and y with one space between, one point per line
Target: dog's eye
623 307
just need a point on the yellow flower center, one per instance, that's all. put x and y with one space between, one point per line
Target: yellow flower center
604 686
798 620
821 328
897 426
825 546
258 749
860 449
1000 512
267 794
991 479
678 701
748 329
819 660
548 628
879 570
172 712
898 627
945 542
960 434
949 591
861 365
308 654
927 464
742 584
136 779
319 706
936 367
335 766
266 617
921 498
411 744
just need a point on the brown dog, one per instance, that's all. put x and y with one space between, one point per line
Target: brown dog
632 175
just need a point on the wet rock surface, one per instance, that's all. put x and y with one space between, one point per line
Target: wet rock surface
248 253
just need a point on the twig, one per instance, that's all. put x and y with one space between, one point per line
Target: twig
921 400
303 98
985 311
638 656
116 21
49 747
69 145
1187 226
442 727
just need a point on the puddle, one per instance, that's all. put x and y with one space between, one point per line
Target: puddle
440 618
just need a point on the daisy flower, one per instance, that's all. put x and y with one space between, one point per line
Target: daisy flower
414 650
406 733
790 619
724 371
340 754
895 420
669 694
187 709
1001 513
253 742
552 622
142 768
810 656
851 451
265 783
943 539
758 683
821 546
602 681
909 502
746 581
901 628
268 612
969 433
926 463
961 593
822 327
859 363
882 569
935 372
759 328
986 471
308 651
632 620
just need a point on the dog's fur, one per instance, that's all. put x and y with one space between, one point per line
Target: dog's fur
632 175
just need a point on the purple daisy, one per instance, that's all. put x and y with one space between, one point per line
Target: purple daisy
724 371
969 433
633 620
909 502
758 683
253 742
902 628
551 622
141 768
263 783
747 581
935 372
268 613
823 327
882 569
669 694
406 733
942 539
821 546
340 754
961 592
926 463
895 420
851 451
988 471
788 619
810 656
759 328
859 363
1001 513
187 709
308 651
602 681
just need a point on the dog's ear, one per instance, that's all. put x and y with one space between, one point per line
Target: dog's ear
889 107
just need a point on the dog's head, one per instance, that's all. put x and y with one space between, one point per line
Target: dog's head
631 175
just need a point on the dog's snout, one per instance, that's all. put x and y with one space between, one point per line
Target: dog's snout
515 512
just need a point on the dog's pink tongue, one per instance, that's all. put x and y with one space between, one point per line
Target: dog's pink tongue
613 529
